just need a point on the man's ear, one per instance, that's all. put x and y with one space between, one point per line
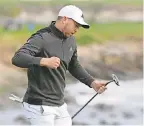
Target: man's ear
65 20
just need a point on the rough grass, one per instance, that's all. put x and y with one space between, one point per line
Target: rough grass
98 33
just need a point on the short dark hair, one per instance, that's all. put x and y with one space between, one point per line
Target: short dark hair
59 17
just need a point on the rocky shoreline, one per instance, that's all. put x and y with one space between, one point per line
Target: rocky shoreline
123 59
120 58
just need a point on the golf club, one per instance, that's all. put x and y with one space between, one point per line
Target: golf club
114 79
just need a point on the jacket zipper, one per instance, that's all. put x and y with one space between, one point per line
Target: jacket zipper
62 49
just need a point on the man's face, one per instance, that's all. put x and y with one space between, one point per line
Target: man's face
70 27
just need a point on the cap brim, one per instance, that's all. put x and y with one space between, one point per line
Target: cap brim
82 23
86 26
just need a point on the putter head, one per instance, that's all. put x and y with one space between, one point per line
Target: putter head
115 79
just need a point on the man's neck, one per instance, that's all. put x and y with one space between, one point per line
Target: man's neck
58 26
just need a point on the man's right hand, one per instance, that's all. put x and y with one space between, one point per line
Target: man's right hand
52 62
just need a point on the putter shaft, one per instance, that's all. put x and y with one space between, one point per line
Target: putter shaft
89 100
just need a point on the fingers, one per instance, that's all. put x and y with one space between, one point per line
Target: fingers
103 83
56 65
99 86
57 59
55 62
102 89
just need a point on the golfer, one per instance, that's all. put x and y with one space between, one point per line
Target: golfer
48 54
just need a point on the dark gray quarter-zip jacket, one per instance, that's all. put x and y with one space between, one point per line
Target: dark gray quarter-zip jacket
46 85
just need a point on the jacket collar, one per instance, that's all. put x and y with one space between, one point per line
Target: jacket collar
56 31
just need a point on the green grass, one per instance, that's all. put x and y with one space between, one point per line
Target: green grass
98 33
16 37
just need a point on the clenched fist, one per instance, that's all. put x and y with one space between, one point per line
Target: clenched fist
52 62
99 86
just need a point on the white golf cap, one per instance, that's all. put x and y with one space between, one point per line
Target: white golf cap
74 13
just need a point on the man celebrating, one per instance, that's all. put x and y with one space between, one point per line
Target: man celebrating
48 54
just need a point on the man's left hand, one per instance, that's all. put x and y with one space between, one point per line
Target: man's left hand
99 86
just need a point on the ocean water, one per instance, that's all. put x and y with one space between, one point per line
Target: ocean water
118 105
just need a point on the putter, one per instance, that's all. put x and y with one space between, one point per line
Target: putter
16 98
114 79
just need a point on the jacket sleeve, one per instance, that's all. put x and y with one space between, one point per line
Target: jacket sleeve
27 55
78 71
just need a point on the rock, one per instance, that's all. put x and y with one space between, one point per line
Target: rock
10 76
113 115
1 106
128 115
124 60
22 120
141 110
69 99
115 123
12 81
93 115
103 122
104 107
80 124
